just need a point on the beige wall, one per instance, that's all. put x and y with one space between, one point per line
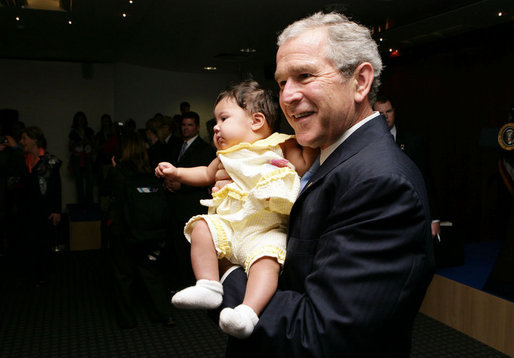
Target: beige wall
48 94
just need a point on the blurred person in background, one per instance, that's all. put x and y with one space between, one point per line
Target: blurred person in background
40 204
81 144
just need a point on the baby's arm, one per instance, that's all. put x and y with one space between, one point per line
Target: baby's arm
195 176
301 157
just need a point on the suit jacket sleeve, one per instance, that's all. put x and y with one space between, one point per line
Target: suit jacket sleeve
199 153
352 275
416 149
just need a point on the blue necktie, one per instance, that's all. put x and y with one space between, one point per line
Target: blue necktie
308 175
182 150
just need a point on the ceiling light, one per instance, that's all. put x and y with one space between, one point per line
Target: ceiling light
131 1
17 18
124 15
381 39
248 50
69 22
500 13
210 68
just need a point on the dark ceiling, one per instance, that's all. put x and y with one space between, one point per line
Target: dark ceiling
189 35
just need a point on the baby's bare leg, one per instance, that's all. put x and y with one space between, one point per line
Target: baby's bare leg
208 291
262 284
203 253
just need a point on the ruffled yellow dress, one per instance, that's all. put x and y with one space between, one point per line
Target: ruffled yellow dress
248 218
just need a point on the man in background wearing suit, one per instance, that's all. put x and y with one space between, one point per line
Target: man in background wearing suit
415 149
171 137
359 251
185 199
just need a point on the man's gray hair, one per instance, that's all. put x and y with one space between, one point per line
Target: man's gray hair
349 44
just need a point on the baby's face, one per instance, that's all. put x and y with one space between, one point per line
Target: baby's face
233 124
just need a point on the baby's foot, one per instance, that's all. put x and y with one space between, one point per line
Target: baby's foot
206 294
238 322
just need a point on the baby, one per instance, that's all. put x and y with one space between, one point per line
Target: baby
247 219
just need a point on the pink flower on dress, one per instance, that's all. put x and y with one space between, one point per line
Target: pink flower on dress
281 163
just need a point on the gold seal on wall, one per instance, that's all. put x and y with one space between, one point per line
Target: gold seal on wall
506 136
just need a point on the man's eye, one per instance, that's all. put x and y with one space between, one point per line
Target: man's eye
305 76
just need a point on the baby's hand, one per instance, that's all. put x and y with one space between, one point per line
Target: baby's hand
165 169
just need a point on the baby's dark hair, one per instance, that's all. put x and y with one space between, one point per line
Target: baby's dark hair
250 96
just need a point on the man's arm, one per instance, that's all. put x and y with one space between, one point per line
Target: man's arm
354 276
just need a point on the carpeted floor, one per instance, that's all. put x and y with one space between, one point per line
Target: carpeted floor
72 316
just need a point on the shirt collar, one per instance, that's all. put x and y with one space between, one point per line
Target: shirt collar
393 132
190 140
325 153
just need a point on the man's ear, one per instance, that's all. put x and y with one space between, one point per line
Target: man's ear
363 77
258 121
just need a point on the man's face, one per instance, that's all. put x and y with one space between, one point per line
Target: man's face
317 100
386 109
189 128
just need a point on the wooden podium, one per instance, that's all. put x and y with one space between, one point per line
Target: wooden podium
478 314
85 227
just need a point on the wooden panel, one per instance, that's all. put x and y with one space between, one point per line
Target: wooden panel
85 235
482 316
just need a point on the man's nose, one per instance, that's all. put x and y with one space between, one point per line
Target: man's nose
290 92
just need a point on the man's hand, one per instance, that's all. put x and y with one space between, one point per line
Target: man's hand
172 185
223 266
55 218
436 228
222 178
9 143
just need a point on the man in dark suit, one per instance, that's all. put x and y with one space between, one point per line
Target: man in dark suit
171 137
413 146
359 252
185 199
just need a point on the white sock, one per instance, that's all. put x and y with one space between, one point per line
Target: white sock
206 294
238 322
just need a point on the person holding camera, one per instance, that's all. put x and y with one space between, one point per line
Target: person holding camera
39 202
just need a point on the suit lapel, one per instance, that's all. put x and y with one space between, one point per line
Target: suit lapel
189 150
366 135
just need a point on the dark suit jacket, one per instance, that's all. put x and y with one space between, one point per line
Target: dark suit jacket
415 148
359 258
186 201
157 152
173 146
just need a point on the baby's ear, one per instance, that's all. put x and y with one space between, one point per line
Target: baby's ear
258 121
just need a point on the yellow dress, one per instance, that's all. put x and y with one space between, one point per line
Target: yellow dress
248 218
